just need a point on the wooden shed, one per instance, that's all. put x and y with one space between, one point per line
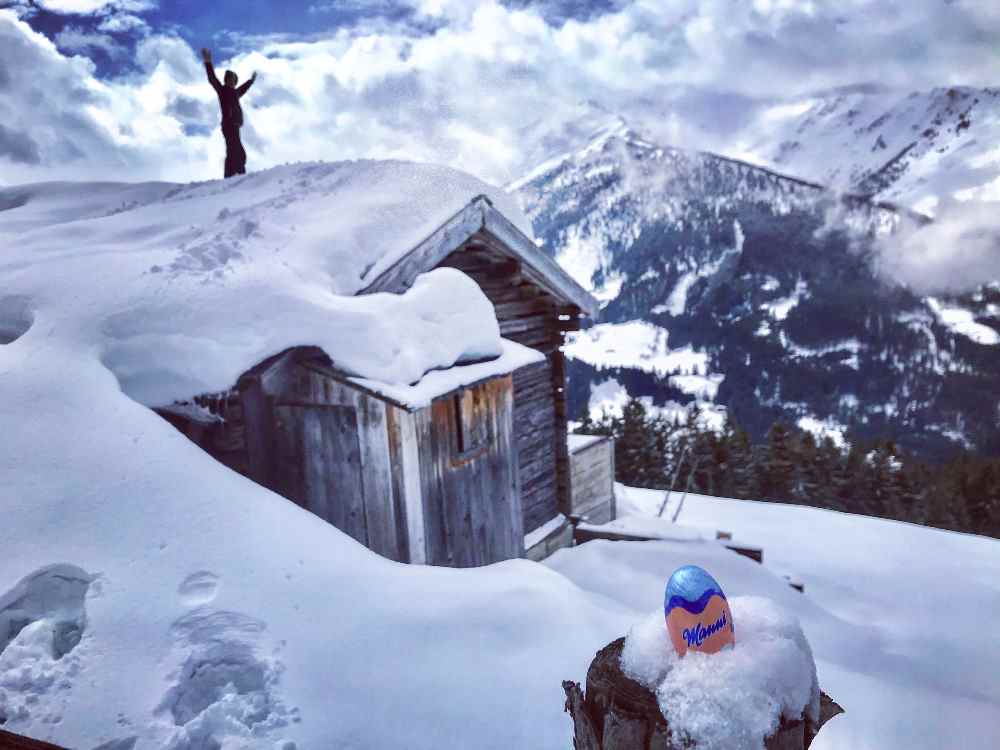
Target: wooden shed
433 484
468 476
536 303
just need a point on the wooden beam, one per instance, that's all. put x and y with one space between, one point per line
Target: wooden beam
538 266
480 217
428 254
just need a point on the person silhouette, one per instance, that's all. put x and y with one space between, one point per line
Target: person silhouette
232 114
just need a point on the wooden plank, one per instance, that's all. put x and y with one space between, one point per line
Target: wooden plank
376 476
520 308
320 464
530 324
435 523
563 500
476 496
407 461
537 265
392 430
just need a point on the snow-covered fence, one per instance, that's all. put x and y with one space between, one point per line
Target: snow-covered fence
641 696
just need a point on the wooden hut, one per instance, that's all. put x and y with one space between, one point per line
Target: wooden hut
536 303
424 483
468 476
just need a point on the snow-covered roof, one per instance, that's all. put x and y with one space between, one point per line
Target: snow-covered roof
432 385
181 288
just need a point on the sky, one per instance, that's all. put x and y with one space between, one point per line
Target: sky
91 88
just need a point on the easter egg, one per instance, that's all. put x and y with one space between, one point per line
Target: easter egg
697 613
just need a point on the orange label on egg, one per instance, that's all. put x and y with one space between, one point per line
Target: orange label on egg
707 631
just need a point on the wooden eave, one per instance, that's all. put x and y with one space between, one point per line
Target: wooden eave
480 216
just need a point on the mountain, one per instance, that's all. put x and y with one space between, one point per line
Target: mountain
911 149
737 289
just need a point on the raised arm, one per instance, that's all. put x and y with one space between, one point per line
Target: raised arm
245 86
206 56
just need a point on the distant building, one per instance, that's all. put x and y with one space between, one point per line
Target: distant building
457 478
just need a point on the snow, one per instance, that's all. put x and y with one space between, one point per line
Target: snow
646 526
738 696
582 255
149 595
825 428
537 535
439 382
702 386
677 301
579 442
635 344
871 609
190 607
607 397
938 156
189 287
963 322
779 308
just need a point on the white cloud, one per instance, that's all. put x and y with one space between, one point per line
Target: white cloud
492 80
90 7
75 39
959 251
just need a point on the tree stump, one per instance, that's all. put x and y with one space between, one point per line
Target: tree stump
618 713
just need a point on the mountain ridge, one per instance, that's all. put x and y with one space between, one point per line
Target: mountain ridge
758 292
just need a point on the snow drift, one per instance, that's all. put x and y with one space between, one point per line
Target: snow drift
152 598
179 289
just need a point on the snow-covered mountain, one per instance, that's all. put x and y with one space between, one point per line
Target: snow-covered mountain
911 149
729 284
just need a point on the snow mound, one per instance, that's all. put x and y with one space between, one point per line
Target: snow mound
180 289
733 699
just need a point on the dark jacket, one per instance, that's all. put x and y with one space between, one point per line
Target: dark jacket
229 98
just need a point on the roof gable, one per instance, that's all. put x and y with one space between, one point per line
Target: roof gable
479 215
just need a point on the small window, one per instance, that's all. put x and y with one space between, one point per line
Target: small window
471 421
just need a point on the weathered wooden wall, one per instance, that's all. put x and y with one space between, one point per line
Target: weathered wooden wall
471 498
395 480
325 445
530 316
592 481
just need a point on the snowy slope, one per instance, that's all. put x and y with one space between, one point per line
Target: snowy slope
182 288
894 612
145 590
148 592
914 149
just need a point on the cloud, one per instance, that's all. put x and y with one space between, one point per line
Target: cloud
958 252
77 40
90 7
18 146
491 87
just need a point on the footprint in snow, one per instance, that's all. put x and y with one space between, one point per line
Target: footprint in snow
199 588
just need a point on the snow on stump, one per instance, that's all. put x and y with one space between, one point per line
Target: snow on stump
760 694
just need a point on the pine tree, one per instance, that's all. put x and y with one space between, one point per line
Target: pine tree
777 472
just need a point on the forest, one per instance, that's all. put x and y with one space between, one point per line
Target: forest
874 477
